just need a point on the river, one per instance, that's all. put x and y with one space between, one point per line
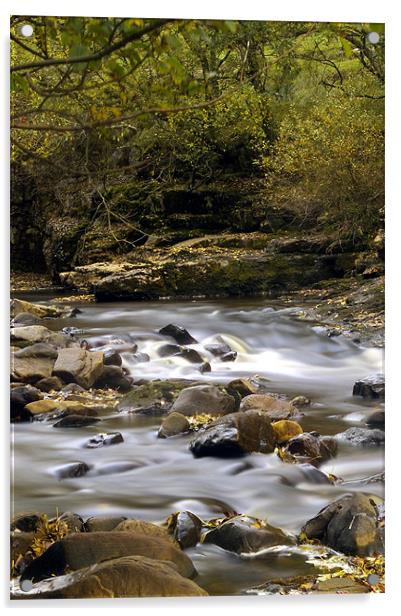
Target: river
296 357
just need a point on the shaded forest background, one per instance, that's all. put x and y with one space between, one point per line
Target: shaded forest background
118 124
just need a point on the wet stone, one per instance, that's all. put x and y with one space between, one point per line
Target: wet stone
76 421
111 357
77 551
349 525
173 424
231 356
362 437
186 527
104 440
235 435
178 333
311 447
376 419
372 386
244 534
167 350
190 355
74 469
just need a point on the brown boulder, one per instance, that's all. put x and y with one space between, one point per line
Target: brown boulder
80 550
75 365
273 407
129 576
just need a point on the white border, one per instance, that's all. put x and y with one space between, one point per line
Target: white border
292 10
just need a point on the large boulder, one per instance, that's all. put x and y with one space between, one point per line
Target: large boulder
372 386
243 534
203 399
235 435
31 334
349 525
77 551
128 576
76 365
275 408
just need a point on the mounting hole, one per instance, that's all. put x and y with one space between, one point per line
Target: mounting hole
373 37
26 585
26 30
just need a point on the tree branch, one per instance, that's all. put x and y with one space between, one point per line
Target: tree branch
120 120
134 36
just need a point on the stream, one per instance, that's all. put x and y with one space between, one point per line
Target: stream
297 358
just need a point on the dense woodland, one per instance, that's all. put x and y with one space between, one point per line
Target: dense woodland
295 109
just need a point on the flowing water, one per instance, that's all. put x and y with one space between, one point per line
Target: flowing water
162 476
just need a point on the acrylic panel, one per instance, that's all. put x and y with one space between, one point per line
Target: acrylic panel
197 290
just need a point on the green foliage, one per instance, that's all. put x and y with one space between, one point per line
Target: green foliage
330 163
105 101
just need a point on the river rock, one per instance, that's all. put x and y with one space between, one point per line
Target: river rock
50 383
178 333
300 401
186 527
139 358
73 469
173 424
376 419
203 399
114 377
31 334
235 435
205 367
21 396
167 350
104 440
79 366
362 437
243 535
244 387
25 318
348 525
311 447
370 387
48 406
273 407
128 576
219 348
190 355
76 421
285 430
111 357
231 356
78 551
103 523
